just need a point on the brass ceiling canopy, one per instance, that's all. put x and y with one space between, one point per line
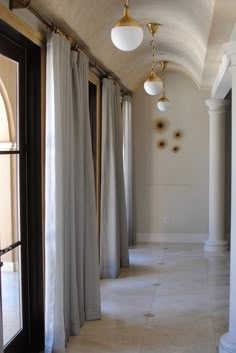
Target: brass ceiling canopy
153 27
164 64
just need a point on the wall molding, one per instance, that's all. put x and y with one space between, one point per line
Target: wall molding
171 237
19 25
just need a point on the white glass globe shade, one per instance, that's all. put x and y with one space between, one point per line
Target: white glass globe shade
127 38
153 84
153 88
163 104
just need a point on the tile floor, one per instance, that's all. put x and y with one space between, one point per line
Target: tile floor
171 299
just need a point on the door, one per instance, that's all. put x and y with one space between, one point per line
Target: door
20 203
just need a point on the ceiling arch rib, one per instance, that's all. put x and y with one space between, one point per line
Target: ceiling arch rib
190 63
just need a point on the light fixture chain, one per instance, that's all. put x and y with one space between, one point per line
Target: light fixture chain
153 53
164 81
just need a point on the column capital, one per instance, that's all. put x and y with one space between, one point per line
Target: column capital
218 105
230 52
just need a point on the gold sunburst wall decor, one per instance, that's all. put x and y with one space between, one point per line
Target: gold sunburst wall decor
161 125
175 149
161 144
178 134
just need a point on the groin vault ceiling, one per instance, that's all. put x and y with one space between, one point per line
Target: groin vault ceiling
190 37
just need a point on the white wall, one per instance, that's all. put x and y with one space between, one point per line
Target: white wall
167 184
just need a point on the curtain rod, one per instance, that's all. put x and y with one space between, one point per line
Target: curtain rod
92 59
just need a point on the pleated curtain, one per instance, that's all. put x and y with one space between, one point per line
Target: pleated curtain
72 292
85 196
128 168
113 221
58 51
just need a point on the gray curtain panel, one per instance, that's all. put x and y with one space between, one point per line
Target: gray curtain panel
128 167
72 267
113 221
85 198
57 85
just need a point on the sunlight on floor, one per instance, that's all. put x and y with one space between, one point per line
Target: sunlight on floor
11 308
171 299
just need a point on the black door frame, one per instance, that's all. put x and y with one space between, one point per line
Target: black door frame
33 196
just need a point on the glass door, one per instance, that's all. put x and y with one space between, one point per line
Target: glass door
13 200
21 240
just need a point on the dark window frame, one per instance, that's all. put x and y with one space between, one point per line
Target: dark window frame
33 174
94 87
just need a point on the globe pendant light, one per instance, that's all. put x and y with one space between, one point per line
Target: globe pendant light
126 33
163 103
153 84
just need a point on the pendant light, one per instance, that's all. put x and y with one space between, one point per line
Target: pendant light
127 33
163 103
153 84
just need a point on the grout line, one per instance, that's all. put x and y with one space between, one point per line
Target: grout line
154 295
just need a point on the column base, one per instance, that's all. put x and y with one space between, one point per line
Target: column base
216 247
227 344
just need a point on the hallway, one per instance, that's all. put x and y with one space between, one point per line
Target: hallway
171 299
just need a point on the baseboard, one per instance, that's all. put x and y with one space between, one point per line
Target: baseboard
171 238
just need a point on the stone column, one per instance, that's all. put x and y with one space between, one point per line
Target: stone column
228 341
216 242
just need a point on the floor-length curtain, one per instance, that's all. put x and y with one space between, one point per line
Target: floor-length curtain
57 93
72 271
113 223
85 200
128 168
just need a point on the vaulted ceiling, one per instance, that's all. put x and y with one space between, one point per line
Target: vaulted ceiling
190 38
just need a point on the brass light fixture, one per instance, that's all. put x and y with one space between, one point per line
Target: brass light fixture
163 103
127 33
153 84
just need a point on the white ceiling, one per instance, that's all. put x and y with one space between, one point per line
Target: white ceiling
191 35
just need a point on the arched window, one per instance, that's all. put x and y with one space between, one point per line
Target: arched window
7 126
9 207
8 181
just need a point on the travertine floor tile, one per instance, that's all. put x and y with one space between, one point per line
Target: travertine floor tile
172 299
